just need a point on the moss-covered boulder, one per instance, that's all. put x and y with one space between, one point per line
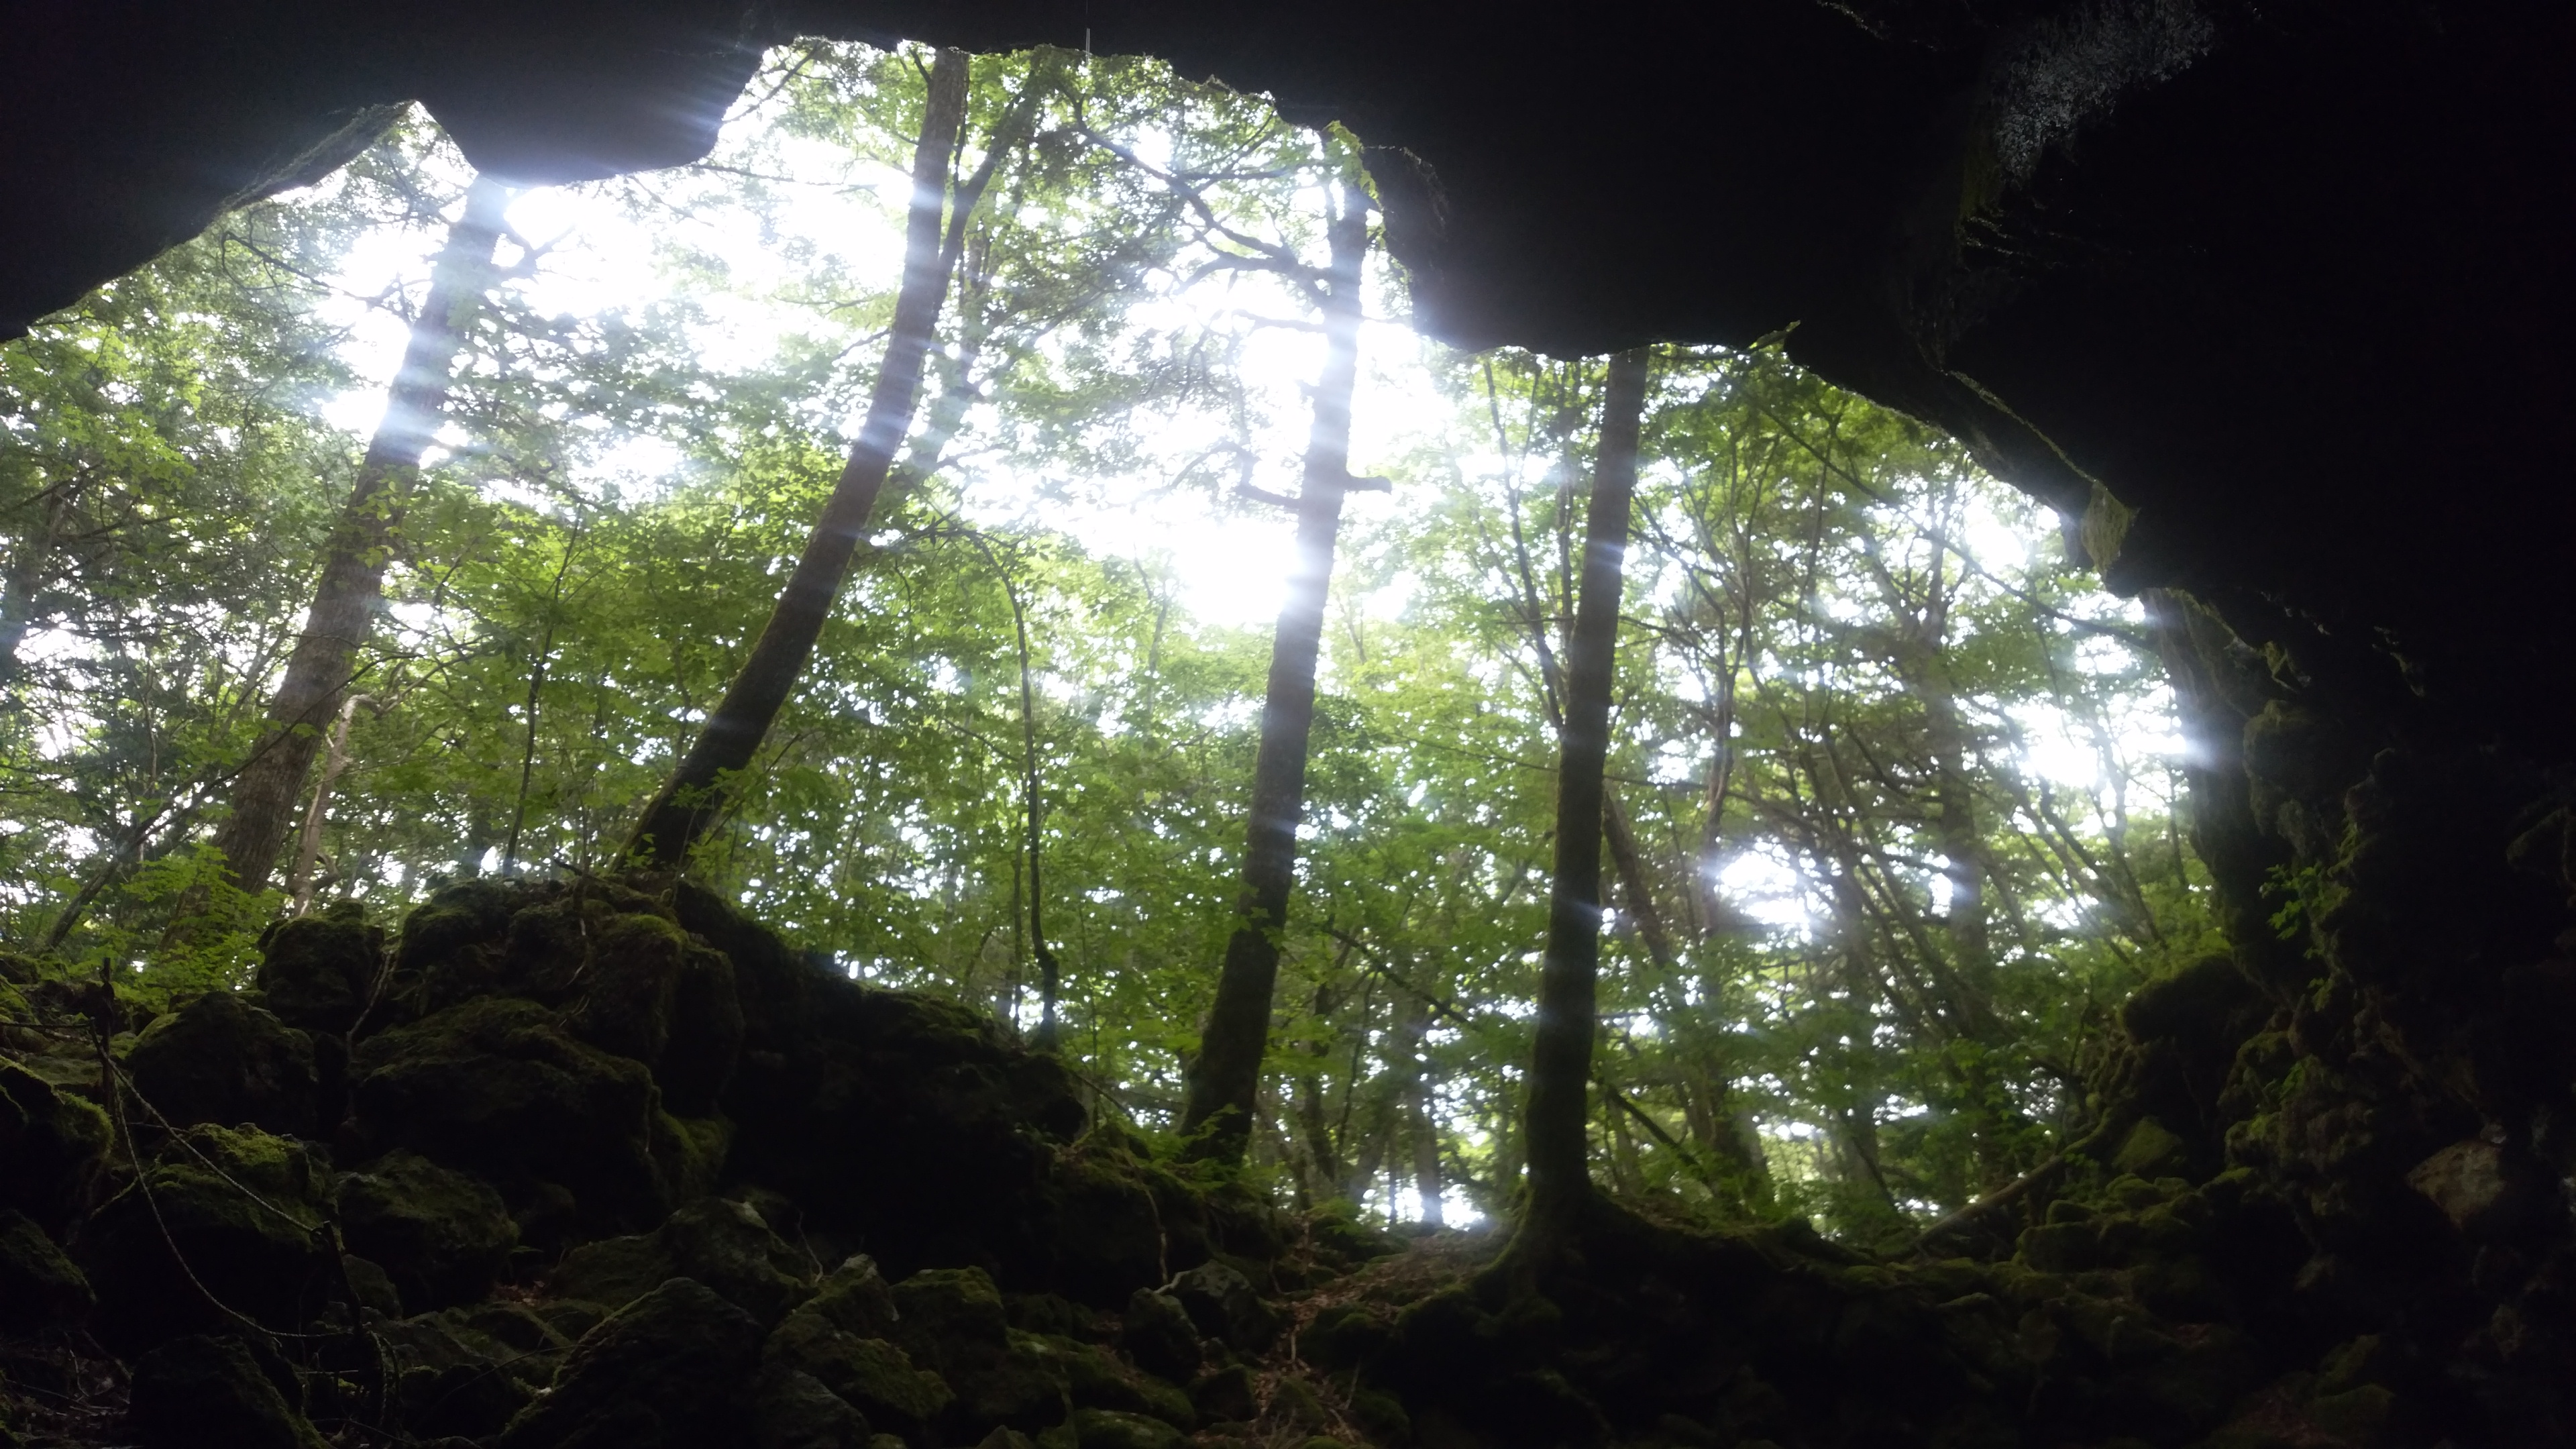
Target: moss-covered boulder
318 972
872 1374
499 1087
444 1237
39 1286
466 1372
1222 1303
1111 1429
672 1370
221 1059
845 1089
1095 1379
241 1208
1157 1333
952 1321
729 1247
857 1299
793 1410
51 1144
630 982
202 1392
720 1243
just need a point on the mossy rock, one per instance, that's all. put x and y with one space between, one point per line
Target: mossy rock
2195 1001
705 1044
1110 1429
1226 1395
1222 1304
1157 1333
39 1286
2151 1150
443 1236
690 1153
728 1246
613 1272
1344 1336
722 1244
671 1370
1381 1416
1295 1405
257 1254
1104 1230
498 1086
953 1322
1336 1228
1095 1379
318 972
793 1410
200 1392
952 1317
846 1090
857 1299
455 1377
874 1375
220 1059
51 1143
630 987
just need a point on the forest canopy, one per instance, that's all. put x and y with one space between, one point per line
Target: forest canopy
1892 789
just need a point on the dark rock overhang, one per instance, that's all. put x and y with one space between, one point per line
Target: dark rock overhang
2291 284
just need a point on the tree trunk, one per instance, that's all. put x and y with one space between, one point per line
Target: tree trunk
1314 1123
300 882
1428 1184
1560 1180
1227 1069
351 590
701 788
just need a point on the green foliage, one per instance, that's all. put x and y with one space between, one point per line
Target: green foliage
1904 837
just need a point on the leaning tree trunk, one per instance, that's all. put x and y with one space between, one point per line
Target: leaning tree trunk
351 590
1226 1074
700 790
1560 1179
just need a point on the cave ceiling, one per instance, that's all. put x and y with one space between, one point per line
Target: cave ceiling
2290 282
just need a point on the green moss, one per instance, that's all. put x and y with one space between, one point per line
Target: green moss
39 1287
319 971
51 1142
198 1390
2151 1150
443 1236
876 1376
612 1272
1110 1429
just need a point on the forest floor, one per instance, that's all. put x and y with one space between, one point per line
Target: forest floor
603 1162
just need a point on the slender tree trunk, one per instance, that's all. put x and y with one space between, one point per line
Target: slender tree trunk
1428 1184
700 789
300 884
1050 973
536 700
1636 896
351 590
1560 1178
1227 1070
1314 1123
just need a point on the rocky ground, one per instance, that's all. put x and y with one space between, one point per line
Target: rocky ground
601 1163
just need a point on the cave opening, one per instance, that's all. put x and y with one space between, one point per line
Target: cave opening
2123 906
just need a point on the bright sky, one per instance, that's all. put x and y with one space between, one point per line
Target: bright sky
1227 562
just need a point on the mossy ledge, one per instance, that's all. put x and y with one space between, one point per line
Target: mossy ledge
604 1161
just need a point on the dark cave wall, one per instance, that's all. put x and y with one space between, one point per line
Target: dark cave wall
2399 898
